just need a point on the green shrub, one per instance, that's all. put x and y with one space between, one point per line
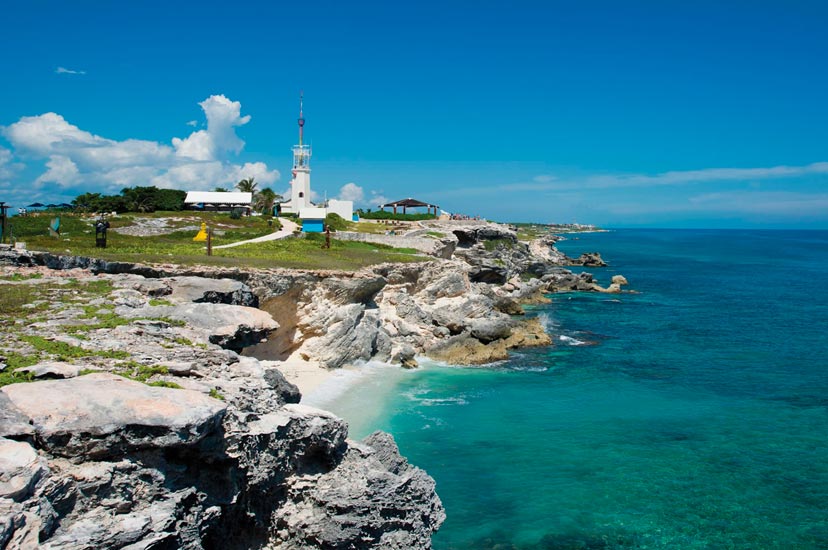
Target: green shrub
336 222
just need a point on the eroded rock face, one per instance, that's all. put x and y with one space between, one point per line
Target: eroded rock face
102 462
229 326
102 415
359 500
20 469
156 470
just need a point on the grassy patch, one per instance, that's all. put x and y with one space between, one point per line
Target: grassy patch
308 253
164 384
13 377
178 247
496 244
15 298
138 372
168 320
180 340
103 319
16 360
155 302
83 372
21 277
66 352
214 393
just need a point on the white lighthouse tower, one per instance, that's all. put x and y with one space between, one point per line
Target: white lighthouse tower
312 216
300 183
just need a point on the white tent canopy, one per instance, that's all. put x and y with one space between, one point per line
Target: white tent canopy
218 197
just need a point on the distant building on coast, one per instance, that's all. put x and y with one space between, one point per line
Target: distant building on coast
300 204
220 201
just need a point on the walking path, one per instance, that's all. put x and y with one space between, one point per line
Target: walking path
288 227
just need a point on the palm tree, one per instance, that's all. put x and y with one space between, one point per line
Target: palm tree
220 190
247 185
265 199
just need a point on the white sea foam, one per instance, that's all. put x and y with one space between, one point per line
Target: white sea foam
549 324
345 379
569 341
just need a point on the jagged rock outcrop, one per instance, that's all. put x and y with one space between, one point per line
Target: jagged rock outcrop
359 501
102 415
544 248
100 461
232 460
229 326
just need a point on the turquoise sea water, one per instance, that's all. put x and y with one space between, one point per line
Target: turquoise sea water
691 415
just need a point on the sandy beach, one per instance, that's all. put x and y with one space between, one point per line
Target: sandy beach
307 375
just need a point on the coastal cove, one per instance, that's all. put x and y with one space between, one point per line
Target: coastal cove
692 414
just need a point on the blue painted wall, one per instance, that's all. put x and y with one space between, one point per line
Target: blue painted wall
313 226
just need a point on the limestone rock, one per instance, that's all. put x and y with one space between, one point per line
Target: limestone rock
528 333
589 259
52 369
466 350
287 391
360 290
20 469
351 333
209 290
12 421
229 326
100 415
359 504
491 328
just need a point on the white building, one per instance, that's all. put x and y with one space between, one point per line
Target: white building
300 191
218 200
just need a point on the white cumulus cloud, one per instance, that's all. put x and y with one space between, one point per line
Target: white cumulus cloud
62 171
220 136
351 192
80 161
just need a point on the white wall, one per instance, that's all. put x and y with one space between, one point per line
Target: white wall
344 208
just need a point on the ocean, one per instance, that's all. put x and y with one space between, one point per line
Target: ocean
692 414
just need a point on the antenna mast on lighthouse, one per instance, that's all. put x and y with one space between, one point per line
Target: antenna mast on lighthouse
301 152
301 118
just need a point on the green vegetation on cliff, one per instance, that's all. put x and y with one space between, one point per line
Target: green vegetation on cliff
167 237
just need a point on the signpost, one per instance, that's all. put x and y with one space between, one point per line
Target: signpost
3 219
100 232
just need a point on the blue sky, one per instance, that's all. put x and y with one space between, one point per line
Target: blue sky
657 113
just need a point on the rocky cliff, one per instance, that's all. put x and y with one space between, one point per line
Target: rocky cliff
144 429
156 419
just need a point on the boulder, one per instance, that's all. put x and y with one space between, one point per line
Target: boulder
456 313
215 291
20 469
287 391
229 326
104 415
589 259
52 369
404 354
359 290
12 421
491 328
359 504
346 334
528 333
466 350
